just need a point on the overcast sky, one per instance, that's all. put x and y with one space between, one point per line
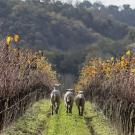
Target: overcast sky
117 2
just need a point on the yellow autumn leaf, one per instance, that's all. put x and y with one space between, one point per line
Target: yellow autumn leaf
112 58
128 53
122 58
9 39
16 38
133 70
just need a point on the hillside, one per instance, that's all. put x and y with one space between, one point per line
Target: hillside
65 31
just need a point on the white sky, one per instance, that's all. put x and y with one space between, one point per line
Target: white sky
116 2
108 2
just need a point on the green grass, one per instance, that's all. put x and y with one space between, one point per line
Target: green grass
38 121
67 124
97 123
32 122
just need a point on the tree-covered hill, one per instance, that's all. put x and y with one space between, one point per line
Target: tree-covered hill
68 33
